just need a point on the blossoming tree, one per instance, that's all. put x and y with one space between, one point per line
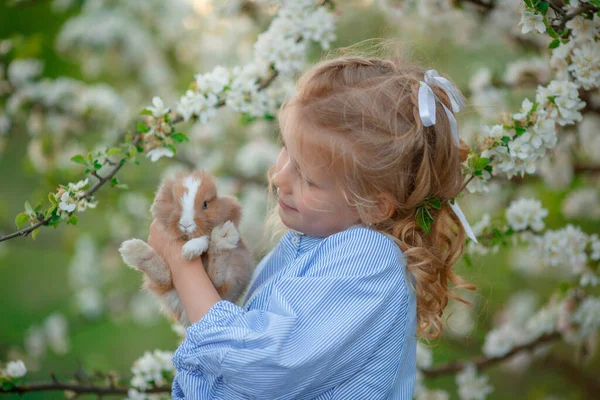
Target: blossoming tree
521 161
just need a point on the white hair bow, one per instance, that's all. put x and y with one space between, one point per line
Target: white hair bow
427 101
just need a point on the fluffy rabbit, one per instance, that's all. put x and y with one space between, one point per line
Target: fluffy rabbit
188 208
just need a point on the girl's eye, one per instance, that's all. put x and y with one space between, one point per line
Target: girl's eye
204 205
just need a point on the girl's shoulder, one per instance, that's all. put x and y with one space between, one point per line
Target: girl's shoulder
367 239
359 247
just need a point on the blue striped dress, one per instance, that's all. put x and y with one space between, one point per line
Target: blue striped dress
324 318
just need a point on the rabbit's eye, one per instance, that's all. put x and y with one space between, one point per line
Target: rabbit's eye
204 205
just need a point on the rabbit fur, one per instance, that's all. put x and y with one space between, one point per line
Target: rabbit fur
188 208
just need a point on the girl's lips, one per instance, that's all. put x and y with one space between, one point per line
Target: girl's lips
285 206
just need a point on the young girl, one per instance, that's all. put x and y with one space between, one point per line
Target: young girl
333 311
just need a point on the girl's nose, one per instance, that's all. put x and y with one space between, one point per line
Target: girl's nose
282 178
280 182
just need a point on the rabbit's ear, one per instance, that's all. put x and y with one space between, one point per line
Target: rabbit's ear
230 209
163 202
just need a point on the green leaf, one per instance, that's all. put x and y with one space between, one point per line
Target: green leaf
114 150
564 287
21 219
179 137
422 221
7 385
89 157
73 220
551 99
123 186
534 107
478 163
543 7
79 159
97 165
505 139
468 260
435 203
50 211
114 181
245 119
269 117
145 111
38 207
551 32
141 127
28 208
52 198
528 3
520 130
554 44
172 148
35 233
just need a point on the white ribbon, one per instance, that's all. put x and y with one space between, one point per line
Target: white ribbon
427 101
463 220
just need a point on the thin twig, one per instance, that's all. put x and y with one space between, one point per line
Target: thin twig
483 362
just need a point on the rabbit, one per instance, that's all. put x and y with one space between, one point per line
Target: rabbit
188 208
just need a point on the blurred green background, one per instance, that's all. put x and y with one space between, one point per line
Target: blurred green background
34 274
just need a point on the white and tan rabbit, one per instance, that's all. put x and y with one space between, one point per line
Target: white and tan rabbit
188 208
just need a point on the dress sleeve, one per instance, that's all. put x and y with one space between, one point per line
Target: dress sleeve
316 332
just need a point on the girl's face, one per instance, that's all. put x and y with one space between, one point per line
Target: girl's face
309 200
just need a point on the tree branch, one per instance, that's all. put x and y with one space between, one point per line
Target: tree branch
483 362
102 180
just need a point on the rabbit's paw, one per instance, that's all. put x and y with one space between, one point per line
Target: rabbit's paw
225 236
195 247
135 252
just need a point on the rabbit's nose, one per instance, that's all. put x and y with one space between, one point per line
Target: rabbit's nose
185 227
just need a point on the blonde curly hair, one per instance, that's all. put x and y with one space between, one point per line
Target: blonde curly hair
387 163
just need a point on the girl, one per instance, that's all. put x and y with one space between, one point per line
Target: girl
333 311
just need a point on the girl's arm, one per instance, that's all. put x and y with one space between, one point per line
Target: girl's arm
194 287
315 332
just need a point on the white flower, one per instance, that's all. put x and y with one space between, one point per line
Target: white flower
566 104
525 109
525 213
433 395
151 367
542 322
254 158
471 387
582 203
21 71
199 104
530 20
585 65
520 70
584 29
595 245
56 328
35 341
158 107
499 341
480 80
67 203
424 356
16 369
155 154
587 316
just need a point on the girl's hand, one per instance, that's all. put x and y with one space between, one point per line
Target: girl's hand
191 282
168 249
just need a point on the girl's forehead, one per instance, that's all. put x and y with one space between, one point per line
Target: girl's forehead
308 145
